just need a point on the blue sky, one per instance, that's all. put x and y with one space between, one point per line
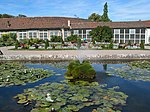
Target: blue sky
119 10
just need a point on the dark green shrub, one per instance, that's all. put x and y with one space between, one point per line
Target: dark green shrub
46 43
142 45
80 71
72 38
16 44
111 45
78 43
129 43
56 39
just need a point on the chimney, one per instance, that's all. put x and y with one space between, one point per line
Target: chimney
69 23
8 24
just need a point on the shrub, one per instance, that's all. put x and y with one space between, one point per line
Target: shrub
111 45
78 42
56 39
80 71
72 38
16 44
46 43
142 45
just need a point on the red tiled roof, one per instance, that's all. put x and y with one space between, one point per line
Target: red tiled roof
131 24
36 22
59 22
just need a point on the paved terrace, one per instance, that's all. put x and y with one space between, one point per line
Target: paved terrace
72 54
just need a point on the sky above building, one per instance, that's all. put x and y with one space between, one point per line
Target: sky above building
119 10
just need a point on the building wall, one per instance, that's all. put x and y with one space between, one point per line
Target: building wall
147 38
120 35
135 35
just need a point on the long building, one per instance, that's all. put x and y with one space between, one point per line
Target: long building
45 27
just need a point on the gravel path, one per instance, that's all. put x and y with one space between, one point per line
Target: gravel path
73 54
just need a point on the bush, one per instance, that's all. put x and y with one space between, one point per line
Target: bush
16 44
72 38
111 45
46 43
56 39
78 42
80 71
142 45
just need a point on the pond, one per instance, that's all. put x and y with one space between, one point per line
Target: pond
138 91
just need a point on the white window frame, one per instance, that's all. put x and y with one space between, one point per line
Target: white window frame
117 31
76 32
132 31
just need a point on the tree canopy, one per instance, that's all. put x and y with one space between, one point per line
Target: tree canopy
95 17
102 34
11 16
98 18
105 17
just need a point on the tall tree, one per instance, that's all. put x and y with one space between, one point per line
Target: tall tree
105 17
102 34
94 17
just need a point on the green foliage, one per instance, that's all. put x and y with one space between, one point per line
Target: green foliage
111 45
137 70
5 37
142 45
129 42
13 73
46 43
102 34
95 17
16 44
80 71
6 16
72 38
56 39
69 97
79 42
105 17
8 39
21 15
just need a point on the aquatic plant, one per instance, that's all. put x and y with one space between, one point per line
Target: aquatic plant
138 70
72 97
17 74
140 64
80 71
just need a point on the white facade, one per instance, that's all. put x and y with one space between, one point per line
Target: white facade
147 36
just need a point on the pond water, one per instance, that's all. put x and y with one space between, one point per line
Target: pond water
138 91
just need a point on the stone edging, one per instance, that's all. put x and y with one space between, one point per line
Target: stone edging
68 57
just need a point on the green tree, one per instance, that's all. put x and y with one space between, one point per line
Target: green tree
6 16
21 15
95 17
102 34
105 17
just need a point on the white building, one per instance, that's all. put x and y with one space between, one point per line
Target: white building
45 27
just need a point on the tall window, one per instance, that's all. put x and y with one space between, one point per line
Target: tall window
76 32
117 31
132 31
